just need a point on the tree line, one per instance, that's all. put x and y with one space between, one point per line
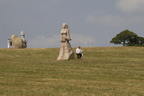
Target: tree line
128 38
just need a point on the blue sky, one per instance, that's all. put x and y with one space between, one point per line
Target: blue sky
91 22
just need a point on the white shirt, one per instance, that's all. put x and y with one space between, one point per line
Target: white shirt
78 50
8 42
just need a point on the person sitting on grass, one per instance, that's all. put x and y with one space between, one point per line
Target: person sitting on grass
79 52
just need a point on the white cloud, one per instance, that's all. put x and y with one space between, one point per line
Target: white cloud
131 6
43 42
114 21
82 40
54 41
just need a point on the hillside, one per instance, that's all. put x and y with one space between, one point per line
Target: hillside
103 71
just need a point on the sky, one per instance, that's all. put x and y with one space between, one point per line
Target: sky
92 23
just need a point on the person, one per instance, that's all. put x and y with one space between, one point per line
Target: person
9 43
79 52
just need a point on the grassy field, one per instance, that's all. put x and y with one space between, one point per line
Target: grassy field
103 71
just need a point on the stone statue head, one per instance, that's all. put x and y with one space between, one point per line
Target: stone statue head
65 25
22 34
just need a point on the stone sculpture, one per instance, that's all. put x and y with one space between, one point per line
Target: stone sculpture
66 51
24 41
16 42
19 42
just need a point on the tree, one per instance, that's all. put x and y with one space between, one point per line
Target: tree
126 38
140 40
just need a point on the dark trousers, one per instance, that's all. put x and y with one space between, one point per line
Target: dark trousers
79 55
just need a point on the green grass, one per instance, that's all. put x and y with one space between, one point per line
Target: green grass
103 71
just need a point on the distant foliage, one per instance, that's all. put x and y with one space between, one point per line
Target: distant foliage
128 38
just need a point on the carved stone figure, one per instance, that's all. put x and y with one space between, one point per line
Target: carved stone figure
18 42
24 43
66 51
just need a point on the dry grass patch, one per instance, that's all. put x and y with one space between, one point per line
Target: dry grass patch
105 71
